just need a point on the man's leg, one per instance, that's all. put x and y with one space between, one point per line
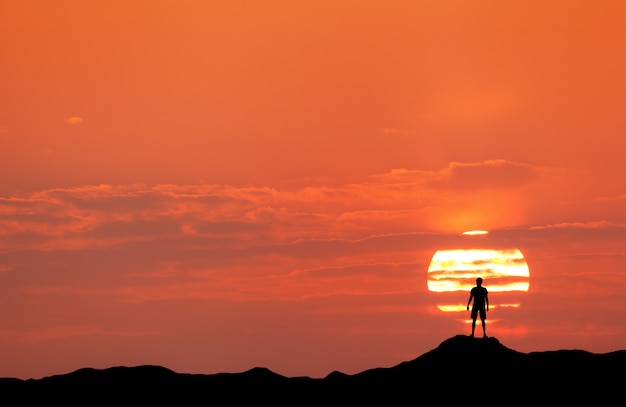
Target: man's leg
473 326
484 328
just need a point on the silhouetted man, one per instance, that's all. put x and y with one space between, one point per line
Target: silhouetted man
481 305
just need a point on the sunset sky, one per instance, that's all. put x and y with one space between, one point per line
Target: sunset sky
217 185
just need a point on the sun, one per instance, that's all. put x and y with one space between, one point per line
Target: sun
452 273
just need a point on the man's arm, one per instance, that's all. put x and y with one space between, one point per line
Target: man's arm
487 299
470 299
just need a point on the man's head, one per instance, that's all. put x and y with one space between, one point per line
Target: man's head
479 281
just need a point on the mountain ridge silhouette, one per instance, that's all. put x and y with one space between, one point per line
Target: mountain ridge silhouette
460 369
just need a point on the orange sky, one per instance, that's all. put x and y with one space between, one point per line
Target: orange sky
213 186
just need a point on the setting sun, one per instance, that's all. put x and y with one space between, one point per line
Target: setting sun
451 271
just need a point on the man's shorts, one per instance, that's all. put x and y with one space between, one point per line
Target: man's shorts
483 313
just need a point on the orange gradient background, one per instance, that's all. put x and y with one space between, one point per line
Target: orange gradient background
212 186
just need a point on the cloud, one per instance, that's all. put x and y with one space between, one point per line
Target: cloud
620 197
457 176
394 217
458 197
74 120
577 225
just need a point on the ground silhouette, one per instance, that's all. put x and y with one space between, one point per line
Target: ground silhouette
460 370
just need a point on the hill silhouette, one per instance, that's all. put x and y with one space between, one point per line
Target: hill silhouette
461 369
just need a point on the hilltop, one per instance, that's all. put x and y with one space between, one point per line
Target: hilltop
460 369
